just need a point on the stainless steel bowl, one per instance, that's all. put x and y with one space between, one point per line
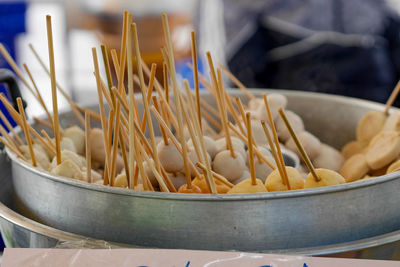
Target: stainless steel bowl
251 222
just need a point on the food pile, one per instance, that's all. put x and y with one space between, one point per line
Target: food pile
232 149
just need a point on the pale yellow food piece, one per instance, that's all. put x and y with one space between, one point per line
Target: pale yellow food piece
69 169
77 135
229 167
352 148
370 125
394 167
41 157
121 181
72 156
274 181
383 149
327 178
97 147
392 123
355 168
246 187
67 144
139 187
201 182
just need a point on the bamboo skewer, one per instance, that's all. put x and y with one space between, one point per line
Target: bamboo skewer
56 123
244 139
26 131
11 141
12 148
304 155
88 149
196 76
251 155
39 96
148 94
175 87
163 135
124 154
273 150
208 175
108 72
50 145
236 81
115 143
392 97
46 124
102 114
216 176
10 128
285 178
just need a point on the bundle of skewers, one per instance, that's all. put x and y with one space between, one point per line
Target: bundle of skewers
232 149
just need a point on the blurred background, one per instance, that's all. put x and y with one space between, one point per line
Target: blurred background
334 46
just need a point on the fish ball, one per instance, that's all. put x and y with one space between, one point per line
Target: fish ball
237 144
295 121
170 158
72 156
329 158
275 102
121 181
327 178
274 181
201 182
41 157
177 179
209 144
67 144
261 168
352 148
394 167
194 159
254 103
229 167
392 123
311 144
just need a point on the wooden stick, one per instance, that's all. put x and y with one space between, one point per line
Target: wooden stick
26 132
304 155
175 87
217 84
50 145
196 76
74 106
106 94
203 154
166 84
12 148
215 175
56 123
9 139
236 81
164 136
392 97
273 150
39 96
88 149
244 139
10 128
122 143
102 114
43 123
285 178
148 94
108 72
251 155
173 139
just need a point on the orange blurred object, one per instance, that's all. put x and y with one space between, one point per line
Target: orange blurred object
194 190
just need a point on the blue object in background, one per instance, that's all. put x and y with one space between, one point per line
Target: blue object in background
12 23
183 70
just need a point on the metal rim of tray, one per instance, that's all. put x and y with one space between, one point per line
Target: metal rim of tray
230 197
62 236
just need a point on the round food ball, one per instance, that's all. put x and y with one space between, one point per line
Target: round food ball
392 123
77 135
121 181
246 187
275 102
194 159
274 181
177 179
310 143
383 149
237 144
201 182
97 147
229 167
370 125
254 103
170 158
246 174
295 121
209 144
329 158
67 144
394 167
261 168
150 174
72 156
327 178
